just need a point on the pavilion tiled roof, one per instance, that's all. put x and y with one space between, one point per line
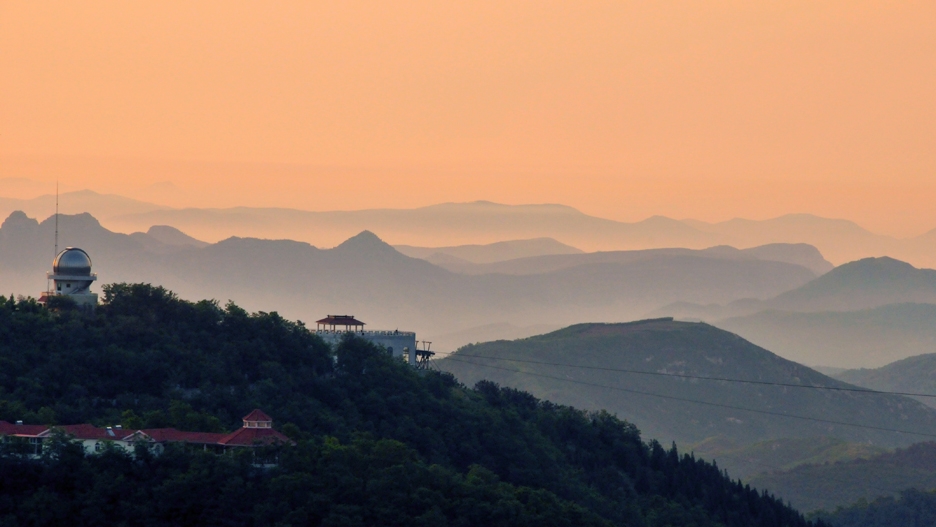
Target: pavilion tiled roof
257 415
340 320
254 437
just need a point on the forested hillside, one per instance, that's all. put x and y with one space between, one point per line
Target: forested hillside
669 378
912 509
827 485
378 442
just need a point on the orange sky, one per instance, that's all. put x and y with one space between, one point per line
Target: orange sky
623 109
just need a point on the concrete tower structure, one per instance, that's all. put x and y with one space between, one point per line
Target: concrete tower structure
71 276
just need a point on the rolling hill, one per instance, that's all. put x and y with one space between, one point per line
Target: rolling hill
829 485
764 457
862 284
914 374
582 365
849 339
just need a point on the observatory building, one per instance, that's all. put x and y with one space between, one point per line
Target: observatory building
71 276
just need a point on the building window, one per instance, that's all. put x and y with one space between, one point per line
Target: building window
390 350
98 446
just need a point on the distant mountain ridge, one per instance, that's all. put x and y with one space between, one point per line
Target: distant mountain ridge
484 222
493 252
865 313
862 284
796 254
862 338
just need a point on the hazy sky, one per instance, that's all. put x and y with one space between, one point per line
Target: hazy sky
623 109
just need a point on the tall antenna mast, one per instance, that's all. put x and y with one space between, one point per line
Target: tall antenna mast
48 283
56 216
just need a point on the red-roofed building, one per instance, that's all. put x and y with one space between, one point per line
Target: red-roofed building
27 435
256 431
171 435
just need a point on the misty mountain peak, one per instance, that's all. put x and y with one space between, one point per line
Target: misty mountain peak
365 241
18 219
82 220
880 266
172 236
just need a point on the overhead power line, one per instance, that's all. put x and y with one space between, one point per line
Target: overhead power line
699 377
884 491
705 403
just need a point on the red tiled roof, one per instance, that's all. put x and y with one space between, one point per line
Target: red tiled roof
10 429
258 415
254 436
241 437
86 431
161 435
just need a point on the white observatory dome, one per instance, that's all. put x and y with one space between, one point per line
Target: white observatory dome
72 262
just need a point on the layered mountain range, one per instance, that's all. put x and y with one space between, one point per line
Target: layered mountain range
484 223
368 278
786 297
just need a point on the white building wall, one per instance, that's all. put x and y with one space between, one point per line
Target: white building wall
401 344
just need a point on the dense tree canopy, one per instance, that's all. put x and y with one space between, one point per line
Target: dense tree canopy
914 508
379 443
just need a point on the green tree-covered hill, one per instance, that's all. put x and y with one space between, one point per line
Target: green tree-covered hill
837 484
593 366
912 509
378 442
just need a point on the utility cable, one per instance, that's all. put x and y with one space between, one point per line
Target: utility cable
715 456
699 377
